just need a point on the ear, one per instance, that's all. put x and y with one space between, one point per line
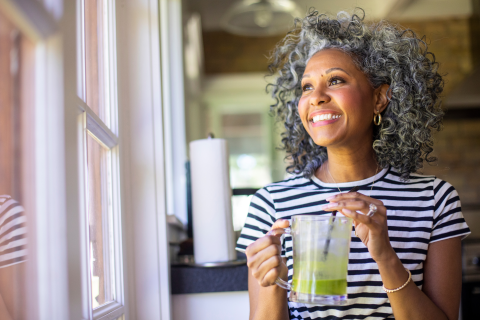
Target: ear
381 100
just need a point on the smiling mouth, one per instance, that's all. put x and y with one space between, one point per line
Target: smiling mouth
325 116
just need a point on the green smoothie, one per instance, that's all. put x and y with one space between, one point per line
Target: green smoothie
321 287
321 277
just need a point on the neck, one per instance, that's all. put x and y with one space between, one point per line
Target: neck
348 165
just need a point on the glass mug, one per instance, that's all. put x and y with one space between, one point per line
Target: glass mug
321 246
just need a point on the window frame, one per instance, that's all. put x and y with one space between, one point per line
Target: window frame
59 287
105 132
47 263
88 121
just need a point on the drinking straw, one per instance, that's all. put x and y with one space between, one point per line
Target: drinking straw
330 228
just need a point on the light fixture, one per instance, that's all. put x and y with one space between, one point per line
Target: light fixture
260 17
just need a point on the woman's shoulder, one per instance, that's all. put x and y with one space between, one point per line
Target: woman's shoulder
437 185
415 181
292 182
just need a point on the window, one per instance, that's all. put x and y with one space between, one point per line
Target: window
15 160
97 92
60 160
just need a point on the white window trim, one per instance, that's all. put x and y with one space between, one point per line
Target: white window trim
143 171
171 28
58 284
103 132
88 120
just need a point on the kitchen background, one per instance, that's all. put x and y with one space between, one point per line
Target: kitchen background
225 68
225 89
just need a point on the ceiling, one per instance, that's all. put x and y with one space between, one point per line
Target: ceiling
212 10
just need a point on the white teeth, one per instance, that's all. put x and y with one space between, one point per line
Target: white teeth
325 116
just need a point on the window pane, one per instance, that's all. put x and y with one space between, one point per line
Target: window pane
16 155
240 205
99 222
249 158
94 73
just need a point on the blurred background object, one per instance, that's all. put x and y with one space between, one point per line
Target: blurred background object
228 94
261 17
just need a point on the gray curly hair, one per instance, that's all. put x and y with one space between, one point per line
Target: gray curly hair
387 54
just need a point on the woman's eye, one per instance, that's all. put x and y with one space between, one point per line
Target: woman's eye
335 81
307 87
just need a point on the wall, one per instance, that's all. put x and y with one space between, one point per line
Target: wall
457 148
228 53
451 42
211 306
450 39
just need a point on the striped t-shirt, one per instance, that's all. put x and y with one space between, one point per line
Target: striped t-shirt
420 211
13 234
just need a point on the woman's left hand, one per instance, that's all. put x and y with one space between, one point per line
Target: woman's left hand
373 231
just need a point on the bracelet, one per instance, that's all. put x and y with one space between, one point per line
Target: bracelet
403 286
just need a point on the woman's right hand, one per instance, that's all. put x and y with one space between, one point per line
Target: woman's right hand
264 257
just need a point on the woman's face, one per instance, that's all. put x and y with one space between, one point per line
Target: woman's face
338 102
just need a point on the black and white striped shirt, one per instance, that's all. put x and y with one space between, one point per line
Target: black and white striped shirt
420 211
13 234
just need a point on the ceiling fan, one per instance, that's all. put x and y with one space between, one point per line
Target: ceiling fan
260 17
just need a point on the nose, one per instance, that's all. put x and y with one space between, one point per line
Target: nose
319 97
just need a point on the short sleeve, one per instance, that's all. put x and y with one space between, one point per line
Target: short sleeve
260 219
448 221
13 233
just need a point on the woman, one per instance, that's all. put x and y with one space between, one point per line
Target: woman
359 102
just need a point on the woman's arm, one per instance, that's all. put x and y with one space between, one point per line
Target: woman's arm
12 291
440 298
442 269
4 314
267 300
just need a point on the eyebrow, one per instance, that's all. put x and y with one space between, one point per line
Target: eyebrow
333 69
327 72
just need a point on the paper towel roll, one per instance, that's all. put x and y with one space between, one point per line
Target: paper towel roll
213 236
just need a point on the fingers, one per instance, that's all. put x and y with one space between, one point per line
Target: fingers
357 208
352 205
261 244
353 196
361 207
268 271
265 265
356 203
263 256
359 218
278 228
280 223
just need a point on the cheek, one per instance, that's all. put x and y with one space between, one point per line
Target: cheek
303 110
357 104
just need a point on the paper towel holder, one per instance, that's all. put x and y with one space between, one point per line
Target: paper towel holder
210 135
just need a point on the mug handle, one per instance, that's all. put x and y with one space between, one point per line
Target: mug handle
275 232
